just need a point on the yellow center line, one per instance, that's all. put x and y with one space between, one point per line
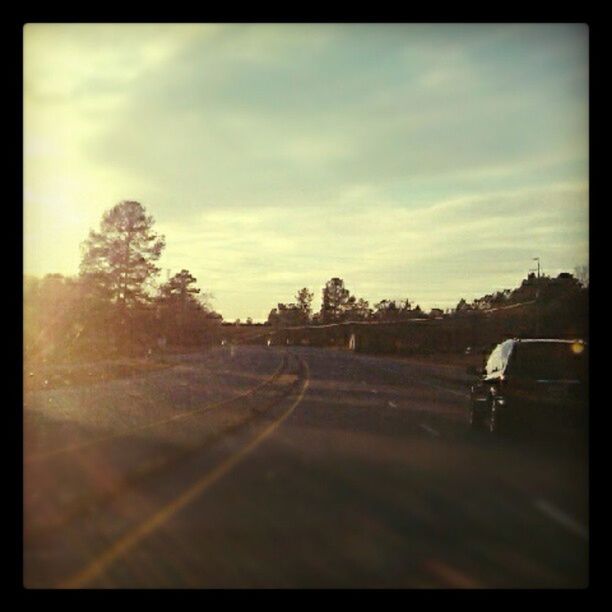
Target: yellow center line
176 417
131 539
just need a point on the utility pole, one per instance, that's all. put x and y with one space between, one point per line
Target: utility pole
537 304
538 260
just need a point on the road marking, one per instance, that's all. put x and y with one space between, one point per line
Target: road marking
285 379
429 430
127 542
176 417
562 518
392 404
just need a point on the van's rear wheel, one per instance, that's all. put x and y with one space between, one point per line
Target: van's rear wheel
493 422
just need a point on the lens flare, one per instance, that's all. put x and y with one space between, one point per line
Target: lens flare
577 348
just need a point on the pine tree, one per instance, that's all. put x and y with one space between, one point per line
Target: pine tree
120 259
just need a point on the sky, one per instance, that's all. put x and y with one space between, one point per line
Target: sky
424 161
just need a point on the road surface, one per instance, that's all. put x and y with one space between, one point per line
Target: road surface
293 467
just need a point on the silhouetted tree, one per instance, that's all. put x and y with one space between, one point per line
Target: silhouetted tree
393 310
304 303
286 315
178 290
273 318
463 306
184 312
335 300
120 258
117 266
358 310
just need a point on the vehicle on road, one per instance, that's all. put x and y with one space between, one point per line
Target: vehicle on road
534 383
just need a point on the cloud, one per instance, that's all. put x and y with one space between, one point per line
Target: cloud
431 160
275 114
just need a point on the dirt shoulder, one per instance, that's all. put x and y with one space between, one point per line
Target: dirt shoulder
38 377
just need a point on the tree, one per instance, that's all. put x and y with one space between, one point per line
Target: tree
358 310
117 266
184 313
385 310
285 315
52 315
65 317
463 306
335 300
393 310
304 303
178 290
273 318
119 259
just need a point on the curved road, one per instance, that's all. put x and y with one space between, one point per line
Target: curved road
296 467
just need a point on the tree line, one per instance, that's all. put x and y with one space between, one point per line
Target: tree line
338 305
115 304
544 289
566 292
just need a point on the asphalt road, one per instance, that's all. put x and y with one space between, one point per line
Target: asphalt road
293 467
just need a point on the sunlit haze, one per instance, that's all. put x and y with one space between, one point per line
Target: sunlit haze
428 162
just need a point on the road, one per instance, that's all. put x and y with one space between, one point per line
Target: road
293 467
